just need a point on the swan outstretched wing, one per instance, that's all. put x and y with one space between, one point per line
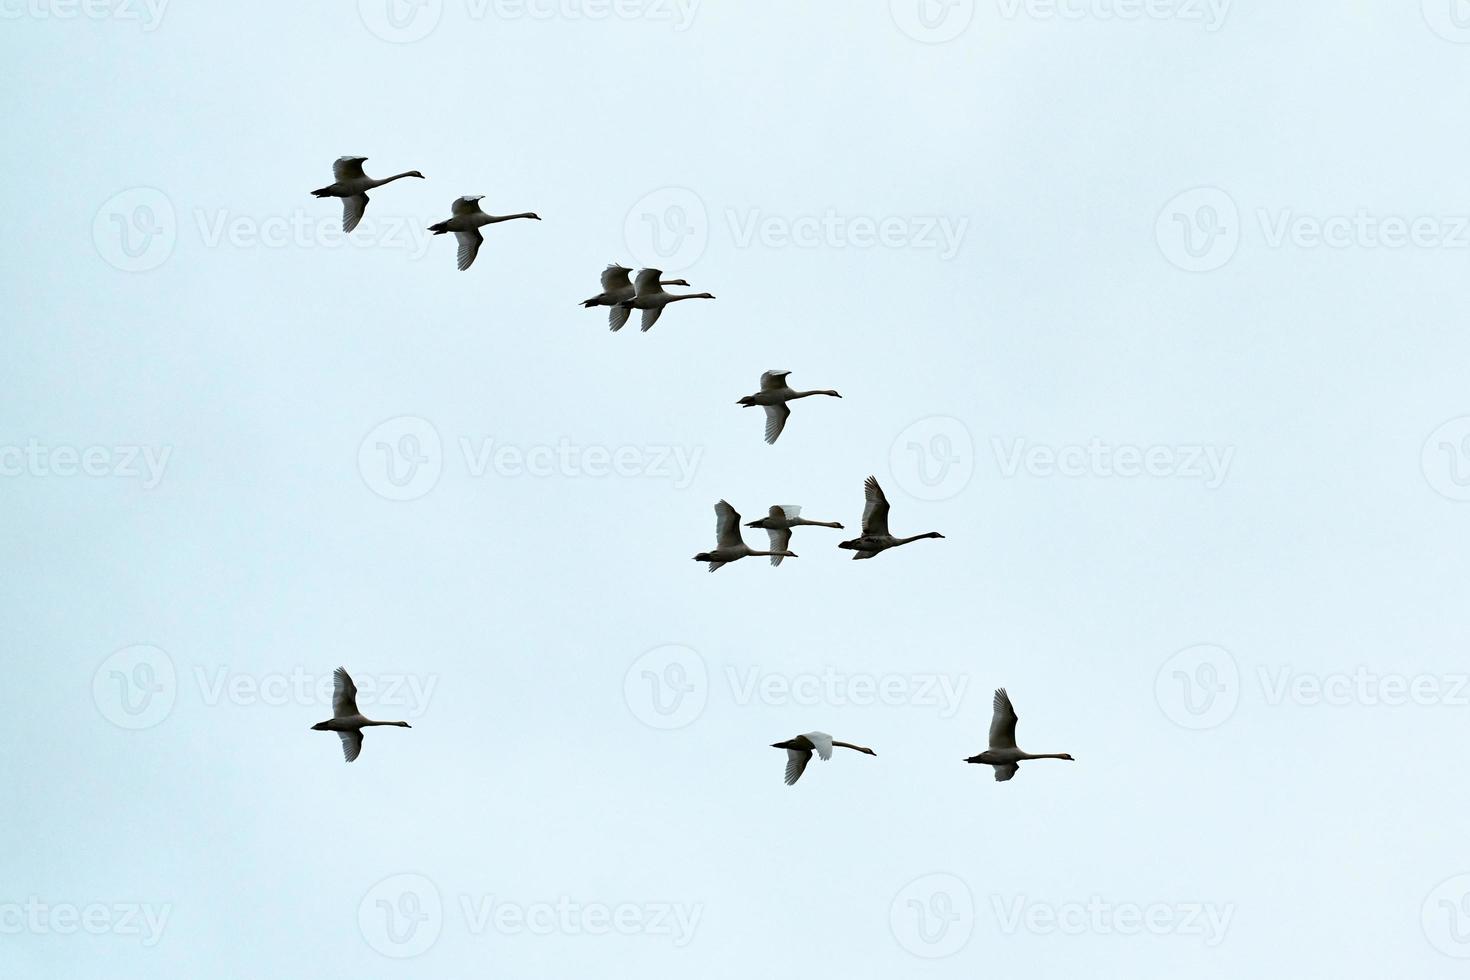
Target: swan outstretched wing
650 317
469 246
780 541
465 205
789 511
875 509
796 760
776 416
1002 722
344 694
773 380
617 316
822 742
352 209
347 168
646 282
1002 773
615 277
727 526
351 744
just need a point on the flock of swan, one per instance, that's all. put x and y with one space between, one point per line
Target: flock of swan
645 292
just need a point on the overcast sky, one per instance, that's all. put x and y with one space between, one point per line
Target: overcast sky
1155 308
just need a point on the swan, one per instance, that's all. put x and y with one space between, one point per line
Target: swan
616 288
875 537
465 221
346 720
1003 754
799 752
778 524
729 545
774 395
352 185
649 296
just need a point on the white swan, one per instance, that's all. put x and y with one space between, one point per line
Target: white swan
649 296
616 289
346 720
729 545
875 537
774 395
799 752
352 185
466 220
778 523
1003 754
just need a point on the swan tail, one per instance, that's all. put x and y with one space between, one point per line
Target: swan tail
438 228
322 192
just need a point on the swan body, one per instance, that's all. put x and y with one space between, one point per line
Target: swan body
729 545
617 288
773 396
465 220
1002 753
352 185
346 720
799 752
875 536
778 523
649 296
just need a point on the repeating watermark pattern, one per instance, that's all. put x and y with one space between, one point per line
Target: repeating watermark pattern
933 916
401 916
932 21
933 459
36 459
1450 19
403 458
669 687
135 687
1445 917
148 14
1097 916
136 229
407 21
143 921
1201 230
1445 459
1098 459
138 687
1201 686
404 915
1207 14
670 229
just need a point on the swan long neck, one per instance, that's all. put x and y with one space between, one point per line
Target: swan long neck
819 391
675 299
510 217
1044 755
849 745
916 537
806 523
371 722
389 180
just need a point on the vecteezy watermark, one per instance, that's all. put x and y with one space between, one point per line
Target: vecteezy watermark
933 459
1097 459
1209 14
1097 916
141 920
1201 230
135 230
1450 19
36 459
933 916
406 21
403 915
148 13
403 459
1445 917
135 687
316 228
1198 687
668 687
1445 459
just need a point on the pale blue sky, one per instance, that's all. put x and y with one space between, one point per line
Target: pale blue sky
1034 246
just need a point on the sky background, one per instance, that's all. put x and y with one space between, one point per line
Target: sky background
1178 233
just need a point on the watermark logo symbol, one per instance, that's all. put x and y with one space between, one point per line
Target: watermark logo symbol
667 687
932 21
135 230
400 21
667 229
136 687
402 458
1198 687
933 459
401 916
1445 459
1450 19
1446 917
933 916
1199 230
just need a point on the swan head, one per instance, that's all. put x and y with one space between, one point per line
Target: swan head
867 751
402 724
415 173
534 216
1067 757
